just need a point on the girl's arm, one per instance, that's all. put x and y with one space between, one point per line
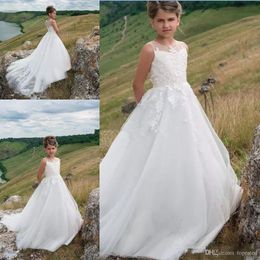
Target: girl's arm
143 68
55 26
41 170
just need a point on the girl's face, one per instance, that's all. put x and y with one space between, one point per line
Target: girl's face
165 24
51 150
52 15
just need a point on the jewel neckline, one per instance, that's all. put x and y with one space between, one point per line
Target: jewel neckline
167 46
56 159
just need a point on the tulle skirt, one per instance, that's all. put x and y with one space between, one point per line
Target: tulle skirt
166 182
48 63
50 218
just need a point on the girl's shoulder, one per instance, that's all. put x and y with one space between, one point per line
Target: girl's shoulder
183 44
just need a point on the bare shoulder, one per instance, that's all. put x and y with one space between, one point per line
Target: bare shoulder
43 161
147 50
52 21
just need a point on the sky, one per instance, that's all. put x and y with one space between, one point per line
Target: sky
40 5
39 118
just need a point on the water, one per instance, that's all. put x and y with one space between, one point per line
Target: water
1 180
9 30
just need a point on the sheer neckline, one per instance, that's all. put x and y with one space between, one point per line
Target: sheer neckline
173 44
53 160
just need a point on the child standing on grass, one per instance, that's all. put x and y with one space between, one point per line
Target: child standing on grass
166 182
51 217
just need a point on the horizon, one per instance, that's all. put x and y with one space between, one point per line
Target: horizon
57 136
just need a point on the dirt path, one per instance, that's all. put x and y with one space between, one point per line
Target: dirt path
122 38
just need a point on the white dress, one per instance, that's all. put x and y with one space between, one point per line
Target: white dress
51 217
48 63
166 182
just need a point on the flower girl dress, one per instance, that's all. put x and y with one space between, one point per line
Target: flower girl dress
48 63
51 217
166 182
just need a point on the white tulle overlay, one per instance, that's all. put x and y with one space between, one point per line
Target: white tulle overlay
48 63
50 218
166 182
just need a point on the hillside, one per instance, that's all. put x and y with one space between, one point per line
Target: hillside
235 65
72 28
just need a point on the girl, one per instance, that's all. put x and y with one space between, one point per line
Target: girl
166 183
51 217
47 63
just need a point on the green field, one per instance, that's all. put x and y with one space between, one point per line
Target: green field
72 28
9 149
228 35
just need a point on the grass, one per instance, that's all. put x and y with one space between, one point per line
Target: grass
72 28
8 149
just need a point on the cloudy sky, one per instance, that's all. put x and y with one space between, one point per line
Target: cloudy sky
28 118
40 5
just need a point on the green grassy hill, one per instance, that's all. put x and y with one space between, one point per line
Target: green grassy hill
9 149
72 28
228 35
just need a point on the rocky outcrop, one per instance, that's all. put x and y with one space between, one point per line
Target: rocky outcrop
5 91
8 248
85 64
90 230
15 199
82 81
249 215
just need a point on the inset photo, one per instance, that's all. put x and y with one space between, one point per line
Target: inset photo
49 51
49 156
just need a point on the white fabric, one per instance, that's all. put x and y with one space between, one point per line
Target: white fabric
166 182
48 63
50 218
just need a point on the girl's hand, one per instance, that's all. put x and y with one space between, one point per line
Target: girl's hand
145 60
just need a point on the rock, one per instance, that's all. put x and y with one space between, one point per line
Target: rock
85 65
90 231
27 44
8 248
12 200
128 107
249 215
5 91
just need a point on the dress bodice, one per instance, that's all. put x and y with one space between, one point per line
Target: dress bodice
169 66
52 168
49 26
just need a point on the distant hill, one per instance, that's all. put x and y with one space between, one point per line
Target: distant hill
113 10
13 146
23 16
72 28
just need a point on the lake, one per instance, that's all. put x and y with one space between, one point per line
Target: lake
9 30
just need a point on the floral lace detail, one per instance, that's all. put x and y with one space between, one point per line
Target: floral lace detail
168 76
169 65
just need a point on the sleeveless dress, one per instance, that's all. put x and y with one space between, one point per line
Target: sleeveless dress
50 218
166 182
48 63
